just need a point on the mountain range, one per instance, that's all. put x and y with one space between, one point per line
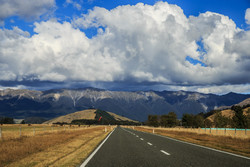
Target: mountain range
22 103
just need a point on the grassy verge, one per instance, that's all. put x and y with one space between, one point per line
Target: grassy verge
63 148
229 144
12 131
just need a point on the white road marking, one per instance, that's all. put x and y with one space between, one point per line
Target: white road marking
129 131
165 152
150 144
91 156
213 149
141 138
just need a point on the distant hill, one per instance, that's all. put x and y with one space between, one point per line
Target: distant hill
91 116
241 104
21 104
229 113
244 103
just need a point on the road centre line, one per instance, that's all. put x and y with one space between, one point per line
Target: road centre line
93 153
164 152
128 131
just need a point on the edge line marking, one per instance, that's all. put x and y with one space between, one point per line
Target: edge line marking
95 151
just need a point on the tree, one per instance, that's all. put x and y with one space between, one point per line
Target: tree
6 120
188 120
153 120
198 121
248 118
207 123
240 120
163 120
221 121
171 119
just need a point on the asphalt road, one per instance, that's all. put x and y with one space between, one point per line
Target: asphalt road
126 147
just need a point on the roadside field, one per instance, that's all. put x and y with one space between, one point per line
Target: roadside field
13 131
227 132
57 147
235 145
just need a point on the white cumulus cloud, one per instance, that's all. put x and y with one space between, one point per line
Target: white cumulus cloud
25 8
247 16
140 43
75 4
58 52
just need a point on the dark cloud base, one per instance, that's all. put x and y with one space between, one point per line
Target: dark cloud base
115 86
125 86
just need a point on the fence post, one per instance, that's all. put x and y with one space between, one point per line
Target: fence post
34 131
153 130
20 131
0 133
225 132
105 129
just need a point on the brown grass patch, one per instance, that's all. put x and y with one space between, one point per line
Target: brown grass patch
12 131
242 134
235 145
85 114
48 149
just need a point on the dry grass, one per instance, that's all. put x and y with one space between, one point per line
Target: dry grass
61 148
118 117
242 134
85 114
228 113
227 143
12 131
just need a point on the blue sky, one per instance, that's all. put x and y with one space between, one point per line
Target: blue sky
234 9
189 45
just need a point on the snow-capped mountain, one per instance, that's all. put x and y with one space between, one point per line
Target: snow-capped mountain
134 105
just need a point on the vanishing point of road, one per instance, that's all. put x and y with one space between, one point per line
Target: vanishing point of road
130 148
